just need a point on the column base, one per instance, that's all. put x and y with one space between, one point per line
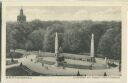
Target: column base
93 59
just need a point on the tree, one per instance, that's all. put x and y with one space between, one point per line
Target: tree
117 47
29 45
76 40
37 39
11 41
49 37
98 29
21 34
74 36
71 41
110 43
35 25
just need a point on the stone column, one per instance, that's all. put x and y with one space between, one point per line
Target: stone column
92 49
105 59
92 46
56 49
56 43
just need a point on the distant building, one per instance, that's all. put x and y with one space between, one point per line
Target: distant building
21 18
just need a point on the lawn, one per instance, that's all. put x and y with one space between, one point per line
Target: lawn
77 64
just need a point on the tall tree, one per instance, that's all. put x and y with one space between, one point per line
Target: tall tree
49 37
21 34
110 43
37 39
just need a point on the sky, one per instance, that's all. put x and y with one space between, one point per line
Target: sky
65 13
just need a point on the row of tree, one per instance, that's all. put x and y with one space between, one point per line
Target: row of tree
74 36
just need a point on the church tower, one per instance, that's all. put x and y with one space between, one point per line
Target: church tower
21 18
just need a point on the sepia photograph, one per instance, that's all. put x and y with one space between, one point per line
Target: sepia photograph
63 41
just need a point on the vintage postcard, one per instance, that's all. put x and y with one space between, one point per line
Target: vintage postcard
64 41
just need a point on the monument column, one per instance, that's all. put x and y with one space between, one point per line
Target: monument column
59 57
92 49
56 49
56 44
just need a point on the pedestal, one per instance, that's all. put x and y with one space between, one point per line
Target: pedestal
56 64
59 60
93 59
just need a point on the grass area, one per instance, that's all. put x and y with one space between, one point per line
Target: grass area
66 65
47 62
77 64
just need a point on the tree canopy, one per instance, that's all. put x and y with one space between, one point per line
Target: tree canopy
74 36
